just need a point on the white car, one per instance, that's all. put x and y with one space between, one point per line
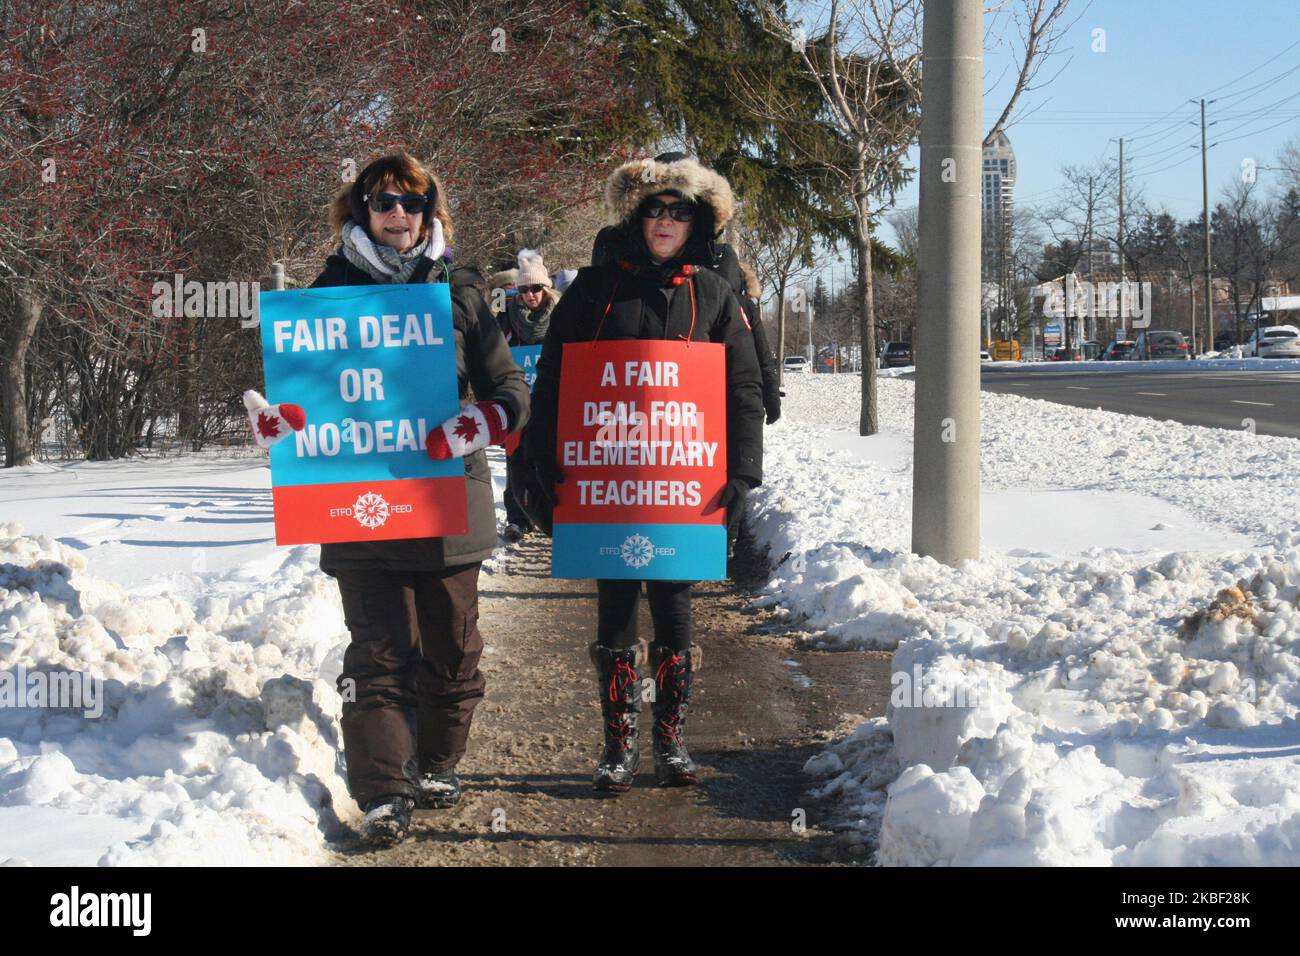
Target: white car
796 363
1274 341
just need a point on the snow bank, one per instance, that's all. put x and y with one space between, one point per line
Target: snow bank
214 735
1054 707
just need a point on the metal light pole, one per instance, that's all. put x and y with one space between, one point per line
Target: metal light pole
1205 206
945 477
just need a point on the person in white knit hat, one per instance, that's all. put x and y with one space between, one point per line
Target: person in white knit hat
526 319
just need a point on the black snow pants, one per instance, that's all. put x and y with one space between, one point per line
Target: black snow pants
410 679
670 610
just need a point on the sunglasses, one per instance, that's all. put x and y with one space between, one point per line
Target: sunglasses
532 288
681 211
412 203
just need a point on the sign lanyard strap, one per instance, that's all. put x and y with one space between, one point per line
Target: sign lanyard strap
686 276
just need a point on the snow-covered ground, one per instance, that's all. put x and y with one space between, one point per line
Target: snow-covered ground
1093 726
210 734
1092 690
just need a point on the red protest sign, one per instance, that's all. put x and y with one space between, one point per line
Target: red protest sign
642 433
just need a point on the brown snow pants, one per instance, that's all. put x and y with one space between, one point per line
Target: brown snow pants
410 679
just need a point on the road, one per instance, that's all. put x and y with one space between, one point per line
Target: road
1194 397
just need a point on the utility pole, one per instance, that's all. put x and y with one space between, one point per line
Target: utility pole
1205 207
1082 319
946 429
1123 286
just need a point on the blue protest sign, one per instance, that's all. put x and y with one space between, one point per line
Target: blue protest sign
374 368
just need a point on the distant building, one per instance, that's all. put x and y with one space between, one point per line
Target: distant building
996 203
999 180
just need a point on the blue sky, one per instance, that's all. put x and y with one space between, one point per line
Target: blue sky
1159 54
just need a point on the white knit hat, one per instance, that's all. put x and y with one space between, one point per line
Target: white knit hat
532 271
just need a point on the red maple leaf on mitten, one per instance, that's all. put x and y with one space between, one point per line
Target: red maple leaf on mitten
270 423
267 426
466 428
477 426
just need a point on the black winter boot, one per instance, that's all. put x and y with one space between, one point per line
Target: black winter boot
438 791
620 705
387 820
674 677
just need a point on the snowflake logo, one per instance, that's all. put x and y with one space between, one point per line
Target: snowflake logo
267 426
370 510
638 550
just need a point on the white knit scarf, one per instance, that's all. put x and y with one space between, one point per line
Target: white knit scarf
384 263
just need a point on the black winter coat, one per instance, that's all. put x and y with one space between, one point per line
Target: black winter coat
485 372
611 244
640 309
766 360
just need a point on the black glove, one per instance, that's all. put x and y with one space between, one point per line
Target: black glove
733 498
537 496
773 412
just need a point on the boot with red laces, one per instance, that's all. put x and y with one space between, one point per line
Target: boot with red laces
674 677
620 706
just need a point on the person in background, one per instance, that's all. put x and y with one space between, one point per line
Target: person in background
528 316
501 289
766 359
563 278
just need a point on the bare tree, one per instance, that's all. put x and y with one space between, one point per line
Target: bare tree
780 258
866 62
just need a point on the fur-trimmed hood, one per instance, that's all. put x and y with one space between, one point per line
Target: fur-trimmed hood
635 181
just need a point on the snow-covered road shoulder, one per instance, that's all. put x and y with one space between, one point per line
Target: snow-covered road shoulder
1085 692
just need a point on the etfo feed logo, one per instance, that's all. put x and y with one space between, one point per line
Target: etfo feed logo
371 510
637 551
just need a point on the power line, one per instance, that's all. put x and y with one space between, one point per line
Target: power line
1248 72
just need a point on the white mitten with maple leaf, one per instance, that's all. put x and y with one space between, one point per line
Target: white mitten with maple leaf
270 423
477 426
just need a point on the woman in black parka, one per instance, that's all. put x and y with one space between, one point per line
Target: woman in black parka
410 679
659 286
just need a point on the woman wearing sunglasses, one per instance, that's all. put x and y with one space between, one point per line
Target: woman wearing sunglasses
669 214
412 605
526 319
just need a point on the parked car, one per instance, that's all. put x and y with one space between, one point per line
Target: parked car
1118 351
1274 341
1067 354
896 355
1153 345
1224 341
985 356
796 363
